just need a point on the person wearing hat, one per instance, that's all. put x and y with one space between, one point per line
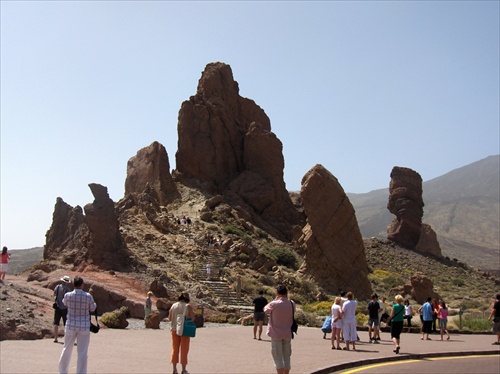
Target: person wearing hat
60 310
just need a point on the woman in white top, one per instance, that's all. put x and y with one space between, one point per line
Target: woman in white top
180 343
336 322
408 314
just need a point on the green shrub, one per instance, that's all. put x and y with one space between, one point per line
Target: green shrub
473 323
321 308
230 229
283 256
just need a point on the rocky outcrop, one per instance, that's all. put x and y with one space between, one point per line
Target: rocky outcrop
106 248
68 236
226 147
428 242
422 288
150 166
405 202
331 240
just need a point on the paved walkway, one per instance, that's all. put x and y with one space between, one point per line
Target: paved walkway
227 349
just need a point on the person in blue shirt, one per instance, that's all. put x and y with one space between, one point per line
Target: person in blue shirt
427 315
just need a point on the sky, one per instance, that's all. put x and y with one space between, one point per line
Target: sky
357 86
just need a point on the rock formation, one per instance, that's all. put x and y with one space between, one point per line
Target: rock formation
106 248
151 166
405 202
331 240
422 288
226 147
68 236
75 238
428 242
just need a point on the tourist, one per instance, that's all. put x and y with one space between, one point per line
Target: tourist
180 343
435 322
349 321
381 314
80 304
280 312
209 270
427 318
373 321
336 311
408 314
443 320
148 305
4 264
495 314
238 287
396 320
258 314
60 310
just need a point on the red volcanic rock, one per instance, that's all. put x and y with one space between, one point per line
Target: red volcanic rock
405 202
211 128
422 288
331 240
428 242
226 147
106 248
68 235
151 166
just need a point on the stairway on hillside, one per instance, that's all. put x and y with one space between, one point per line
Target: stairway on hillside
219 286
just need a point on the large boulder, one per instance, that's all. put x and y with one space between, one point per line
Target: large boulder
150 166
405 202
331 240
422 288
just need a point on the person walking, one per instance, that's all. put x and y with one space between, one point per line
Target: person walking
495 314
80 304
373 309
349 321
279 329
427 318
4 263
258 314
336 311
443 320
180 344
435 318
396 319
60 310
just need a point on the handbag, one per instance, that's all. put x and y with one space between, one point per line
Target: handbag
295 325
94 328
185 325
189 328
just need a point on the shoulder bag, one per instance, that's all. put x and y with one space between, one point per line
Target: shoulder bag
185 325
295 326
94 328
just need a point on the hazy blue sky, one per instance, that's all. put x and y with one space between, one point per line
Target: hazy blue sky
359 87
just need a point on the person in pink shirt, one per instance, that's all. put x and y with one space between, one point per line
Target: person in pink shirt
279 329
442 313
4 264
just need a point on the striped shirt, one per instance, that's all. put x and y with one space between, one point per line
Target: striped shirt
80 304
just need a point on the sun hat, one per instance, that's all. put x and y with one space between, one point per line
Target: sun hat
66 279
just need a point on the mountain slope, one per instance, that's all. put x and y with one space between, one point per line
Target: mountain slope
462 206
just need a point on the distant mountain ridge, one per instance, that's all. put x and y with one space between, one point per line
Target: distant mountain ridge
462 206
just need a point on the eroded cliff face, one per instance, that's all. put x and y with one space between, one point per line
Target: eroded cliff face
405 202
331 240
226 147
150 166
93 238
